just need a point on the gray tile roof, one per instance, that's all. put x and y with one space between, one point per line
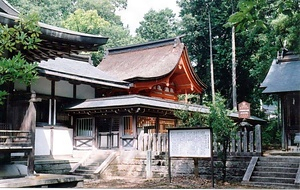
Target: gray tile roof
282 77
55 41
80 71
130 100
144 101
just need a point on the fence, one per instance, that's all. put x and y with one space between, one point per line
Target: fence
10 139
246 143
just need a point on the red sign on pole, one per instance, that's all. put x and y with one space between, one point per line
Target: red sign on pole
244 110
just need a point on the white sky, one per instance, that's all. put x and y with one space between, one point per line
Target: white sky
137 8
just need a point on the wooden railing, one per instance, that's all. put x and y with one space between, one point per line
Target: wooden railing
15 139
246 143
156 142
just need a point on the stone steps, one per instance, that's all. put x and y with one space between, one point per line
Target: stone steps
133 164
275 172
88 168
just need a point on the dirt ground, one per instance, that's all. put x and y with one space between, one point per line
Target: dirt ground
161 183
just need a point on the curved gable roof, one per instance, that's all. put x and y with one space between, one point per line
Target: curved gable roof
144 61
282 77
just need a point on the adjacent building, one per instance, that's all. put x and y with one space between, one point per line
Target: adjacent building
283 80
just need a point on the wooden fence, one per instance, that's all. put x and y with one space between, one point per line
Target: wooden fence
15 139
246 143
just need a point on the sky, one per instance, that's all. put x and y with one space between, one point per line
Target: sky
137 8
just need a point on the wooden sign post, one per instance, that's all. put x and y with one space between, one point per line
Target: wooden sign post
190 143
244 110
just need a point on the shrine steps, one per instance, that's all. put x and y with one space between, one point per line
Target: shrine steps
273 172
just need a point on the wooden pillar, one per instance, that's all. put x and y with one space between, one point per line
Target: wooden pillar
32 109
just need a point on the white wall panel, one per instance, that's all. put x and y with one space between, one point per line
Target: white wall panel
64 89
42 141
62 141
85 92
42 86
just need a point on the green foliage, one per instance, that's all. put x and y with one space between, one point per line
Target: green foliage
106 9
223 128
271 135
24 35
85 21
187 118
50 11
194 15
190 119
13 66
90 22
158 25
16 68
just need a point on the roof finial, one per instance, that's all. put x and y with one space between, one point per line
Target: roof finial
176 42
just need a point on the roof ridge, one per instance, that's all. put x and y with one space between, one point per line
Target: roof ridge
146 45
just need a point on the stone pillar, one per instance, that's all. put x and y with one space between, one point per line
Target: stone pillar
148 164
258 139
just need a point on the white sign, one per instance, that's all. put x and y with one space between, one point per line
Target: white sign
190 142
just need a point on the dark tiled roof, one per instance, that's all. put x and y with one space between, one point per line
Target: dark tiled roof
137 100
283 76
144 61
56 42
78 71
130 101
7 8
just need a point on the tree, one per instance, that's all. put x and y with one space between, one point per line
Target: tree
90 22
195 26
264 25
13 66
106 9
85 21
158 25
51 11
223 129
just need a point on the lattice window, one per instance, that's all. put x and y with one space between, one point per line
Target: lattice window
85 127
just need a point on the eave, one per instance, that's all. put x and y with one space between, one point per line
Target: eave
57 42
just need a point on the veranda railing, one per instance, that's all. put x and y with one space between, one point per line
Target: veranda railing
13 139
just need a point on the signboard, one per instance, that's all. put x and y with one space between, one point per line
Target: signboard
190 142
244 110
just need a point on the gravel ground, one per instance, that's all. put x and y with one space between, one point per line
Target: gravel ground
161 183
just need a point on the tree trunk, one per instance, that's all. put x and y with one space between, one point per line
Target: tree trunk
234 96
211 60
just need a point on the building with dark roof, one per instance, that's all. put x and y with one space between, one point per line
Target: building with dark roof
283 80
133 90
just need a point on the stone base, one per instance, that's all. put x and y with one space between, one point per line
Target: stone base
43 180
